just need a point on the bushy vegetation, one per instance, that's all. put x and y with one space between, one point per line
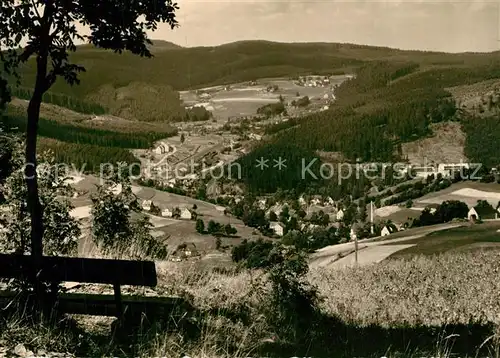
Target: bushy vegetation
253 254
301 102
198 113
61 229
61 100
215 228
114 231
271 109
447 211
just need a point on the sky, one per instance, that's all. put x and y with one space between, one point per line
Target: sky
450 26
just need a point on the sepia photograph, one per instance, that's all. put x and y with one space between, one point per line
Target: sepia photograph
250 178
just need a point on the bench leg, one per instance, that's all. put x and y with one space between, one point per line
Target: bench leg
118 301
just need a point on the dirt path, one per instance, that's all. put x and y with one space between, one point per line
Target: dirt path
369 255
369 250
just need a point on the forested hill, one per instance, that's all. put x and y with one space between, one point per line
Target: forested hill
183 68
391 101
386 104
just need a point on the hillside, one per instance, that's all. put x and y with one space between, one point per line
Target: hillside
183 68
396 97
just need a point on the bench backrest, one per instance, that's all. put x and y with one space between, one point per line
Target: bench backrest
74 269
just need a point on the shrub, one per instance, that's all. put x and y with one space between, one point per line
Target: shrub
254 254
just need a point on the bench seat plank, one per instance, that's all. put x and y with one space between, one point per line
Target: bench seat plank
85 270
104 305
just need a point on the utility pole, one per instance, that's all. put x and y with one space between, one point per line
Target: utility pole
371 217
355 237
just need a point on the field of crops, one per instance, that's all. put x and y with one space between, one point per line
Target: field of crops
445 289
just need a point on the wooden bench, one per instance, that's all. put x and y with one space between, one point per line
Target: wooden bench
84 270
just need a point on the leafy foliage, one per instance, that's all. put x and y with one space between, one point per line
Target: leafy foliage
445 212
293 309
61 229
271 109
253 254
113 229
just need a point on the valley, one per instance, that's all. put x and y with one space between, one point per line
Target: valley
404 165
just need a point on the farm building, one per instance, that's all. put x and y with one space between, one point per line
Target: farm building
161 149
316 200
167 213
277 228
388 229
482 213
329 201
186 214
146 205
340 215
302 201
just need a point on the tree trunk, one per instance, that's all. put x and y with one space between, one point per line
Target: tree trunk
33 200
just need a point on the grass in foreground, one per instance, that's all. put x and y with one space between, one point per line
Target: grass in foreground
427 306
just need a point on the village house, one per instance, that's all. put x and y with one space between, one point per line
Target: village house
171 182
146 205
329 202
388 229
186 214
302 201
315 201
481 213
277 228
255 136
340 215
161 149
167 213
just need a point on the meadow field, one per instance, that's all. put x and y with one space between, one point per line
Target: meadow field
241 99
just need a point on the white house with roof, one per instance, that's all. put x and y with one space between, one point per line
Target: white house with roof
161 149
167 213
302 201
388 229
340 215
315 201
146 205
186 214
385 231
277 228
329 202
255 136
